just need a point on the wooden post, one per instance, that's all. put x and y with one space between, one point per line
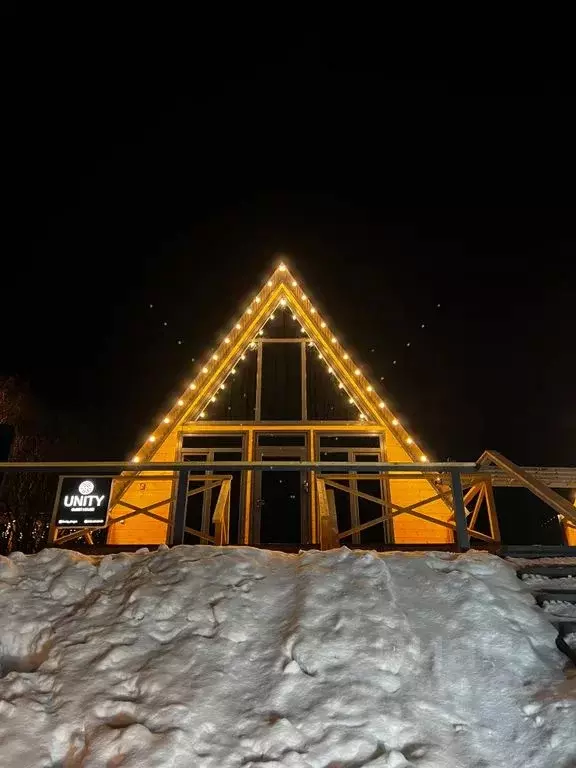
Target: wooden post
462 535
178 529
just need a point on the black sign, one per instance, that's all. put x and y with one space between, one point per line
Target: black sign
83 501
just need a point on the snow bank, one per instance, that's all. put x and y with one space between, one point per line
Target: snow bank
221 658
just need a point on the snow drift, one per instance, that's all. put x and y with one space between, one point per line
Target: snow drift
221 658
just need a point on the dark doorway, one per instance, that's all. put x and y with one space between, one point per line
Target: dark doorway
281 500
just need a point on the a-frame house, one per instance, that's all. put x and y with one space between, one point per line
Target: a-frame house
280 385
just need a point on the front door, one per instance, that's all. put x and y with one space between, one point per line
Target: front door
280 507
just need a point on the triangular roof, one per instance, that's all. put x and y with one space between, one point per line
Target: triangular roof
280 290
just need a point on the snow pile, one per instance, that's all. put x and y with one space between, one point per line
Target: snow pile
220 658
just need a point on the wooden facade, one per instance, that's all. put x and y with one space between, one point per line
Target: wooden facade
372 433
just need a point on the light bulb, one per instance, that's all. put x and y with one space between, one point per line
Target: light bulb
395 422
192 386
362 416
238 326
152 439
293 317
320 355
204 370
166 420
294 284
322 324
282 302
330 370
302 330
334 339
351 400
282 268
346 356
135 459
257 299
409 440
226 340
213 398
369 388
180 402
382 404
272 317
222 386
423 458
340 385
202 414
249 311
260 332
312 311
357 372
269 283
233 370
310 343
304 297
242 357
214 357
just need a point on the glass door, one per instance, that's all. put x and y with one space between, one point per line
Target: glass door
280 505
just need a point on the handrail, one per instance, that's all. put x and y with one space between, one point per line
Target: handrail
231 466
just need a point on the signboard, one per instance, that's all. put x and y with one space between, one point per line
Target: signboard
83 502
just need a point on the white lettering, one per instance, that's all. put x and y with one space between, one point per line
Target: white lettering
99 499
68 501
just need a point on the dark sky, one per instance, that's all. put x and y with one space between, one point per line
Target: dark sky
389 198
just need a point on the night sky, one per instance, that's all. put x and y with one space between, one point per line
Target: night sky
389 199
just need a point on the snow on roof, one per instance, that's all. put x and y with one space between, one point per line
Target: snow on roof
219 658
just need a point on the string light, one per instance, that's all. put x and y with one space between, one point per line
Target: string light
272 317
283 302
369 388
423 458
204 370
382 404
249 311
192 386
310 343
180 402
136 459
242 357
294 284
214 357
312 311
260 332
202 414
238 326
257 299
152 439
322 324
226 340
166 420
233 370
334 339
345 356
269 283
362 416
340 385
293 317
213 398
395 422
357 372
330 370
304 297
302 330
409 440
351 401
222 386
320 355
282 268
